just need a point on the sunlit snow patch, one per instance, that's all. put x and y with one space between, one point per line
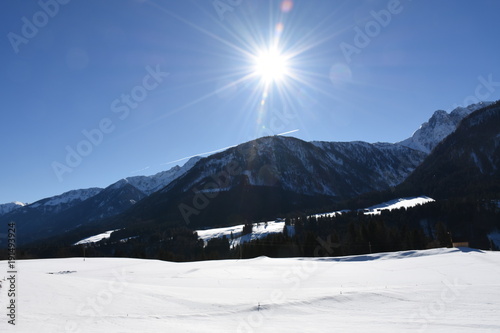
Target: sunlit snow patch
398 203
96 238
389 205
259 230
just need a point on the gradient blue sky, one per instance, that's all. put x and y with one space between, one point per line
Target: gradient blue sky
65 78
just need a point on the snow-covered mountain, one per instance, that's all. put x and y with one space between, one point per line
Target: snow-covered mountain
439 126
65 200
9 207
467 162
151 184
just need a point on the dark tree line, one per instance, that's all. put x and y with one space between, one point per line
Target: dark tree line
432 225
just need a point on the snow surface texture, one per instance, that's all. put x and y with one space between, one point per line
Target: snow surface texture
439 126
440 290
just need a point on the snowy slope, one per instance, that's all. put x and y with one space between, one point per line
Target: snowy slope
67 198
151 184
96 238
398 203
389 205
9 207
439 126
259 230
442 290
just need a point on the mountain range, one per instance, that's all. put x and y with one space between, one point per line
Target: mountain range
71 209
260 179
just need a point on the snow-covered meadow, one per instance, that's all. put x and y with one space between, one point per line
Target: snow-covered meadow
234 234
440 290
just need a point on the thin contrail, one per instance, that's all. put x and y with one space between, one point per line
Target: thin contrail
285 133
215 151
137 171
208 152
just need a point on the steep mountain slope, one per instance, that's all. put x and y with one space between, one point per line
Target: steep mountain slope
439 126
311 168
466 163
274 175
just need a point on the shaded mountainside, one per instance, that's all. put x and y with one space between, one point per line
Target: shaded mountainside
276 175
466 163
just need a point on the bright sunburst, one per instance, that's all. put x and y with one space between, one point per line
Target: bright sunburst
271 66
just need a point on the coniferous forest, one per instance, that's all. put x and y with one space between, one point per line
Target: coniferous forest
435 224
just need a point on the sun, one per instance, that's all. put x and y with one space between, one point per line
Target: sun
271 66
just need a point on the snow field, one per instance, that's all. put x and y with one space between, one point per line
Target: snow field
440 290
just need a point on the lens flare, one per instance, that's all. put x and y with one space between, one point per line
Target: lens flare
286 6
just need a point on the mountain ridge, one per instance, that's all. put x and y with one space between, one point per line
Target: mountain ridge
440 125
467 162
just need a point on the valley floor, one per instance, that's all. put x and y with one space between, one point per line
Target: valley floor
441 290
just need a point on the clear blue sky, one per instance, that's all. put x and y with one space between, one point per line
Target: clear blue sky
74 71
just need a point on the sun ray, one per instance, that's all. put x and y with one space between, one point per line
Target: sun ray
273 65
